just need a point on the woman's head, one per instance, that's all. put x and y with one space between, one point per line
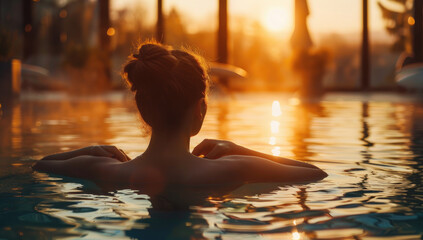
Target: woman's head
167 83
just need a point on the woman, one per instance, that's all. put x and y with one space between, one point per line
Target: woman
170 89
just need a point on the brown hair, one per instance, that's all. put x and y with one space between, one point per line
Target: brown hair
166 82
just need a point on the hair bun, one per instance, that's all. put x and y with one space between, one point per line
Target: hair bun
151 51
148 67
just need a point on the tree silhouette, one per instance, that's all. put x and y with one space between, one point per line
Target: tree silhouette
397 23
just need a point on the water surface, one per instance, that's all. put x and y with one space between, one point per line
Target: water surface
371 145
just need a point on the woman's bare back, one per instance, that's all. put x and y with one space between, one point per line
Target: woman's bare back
192 171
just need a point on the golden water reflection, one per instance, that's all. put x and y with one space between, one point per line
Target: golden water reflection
274 128
372 150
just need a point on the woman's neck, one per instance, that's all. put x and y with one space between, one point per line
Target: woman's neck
168 144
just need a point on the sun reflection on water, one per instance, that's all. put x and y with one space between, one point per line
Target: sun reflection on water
296 235
276 109
276 151
274 128
272 140
372 151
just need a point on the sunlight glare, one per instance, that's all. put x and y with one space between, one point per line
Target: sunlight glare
276 19
276 151
295 235
274 126
276 109
294 101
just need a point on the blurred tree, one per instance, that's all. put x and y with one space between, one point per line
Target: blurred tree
28 48
397 23
78 27
105 33
307 62
300 39
176 33
85 58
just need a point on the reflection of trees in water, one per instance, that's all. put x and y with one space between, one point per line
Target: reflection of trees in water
365 133
302 198
409 122
414 195
303 116
36 128
302 201
222 120
6 119
33 127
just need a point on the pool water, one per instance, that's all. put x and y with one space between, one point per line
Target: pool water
371 145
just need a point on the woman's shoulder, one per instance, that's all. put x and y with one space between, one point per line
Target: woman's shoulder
213 171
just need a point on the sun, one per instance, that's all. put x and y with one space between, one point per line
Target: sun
276 19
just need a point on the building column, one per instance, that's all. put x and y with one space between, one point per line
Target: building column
365 61
160 30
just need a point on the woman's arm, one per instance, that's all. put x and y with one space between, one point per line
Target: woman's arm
84 166
101 150
212 149
257 169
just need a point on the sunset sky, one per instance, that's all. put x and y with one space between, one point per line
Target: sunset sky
327 16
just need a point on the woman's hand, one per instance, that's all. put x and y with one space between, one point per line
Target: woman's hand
108 151
212 149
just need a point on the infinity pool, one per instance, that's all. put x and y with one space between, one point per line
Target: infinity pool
371 145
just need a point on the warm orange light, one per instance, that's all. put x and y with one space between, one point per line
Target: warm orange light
411 21
296 235
274 126
16 75
276 109
276 151
276 19
294 101
63 13
111 31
